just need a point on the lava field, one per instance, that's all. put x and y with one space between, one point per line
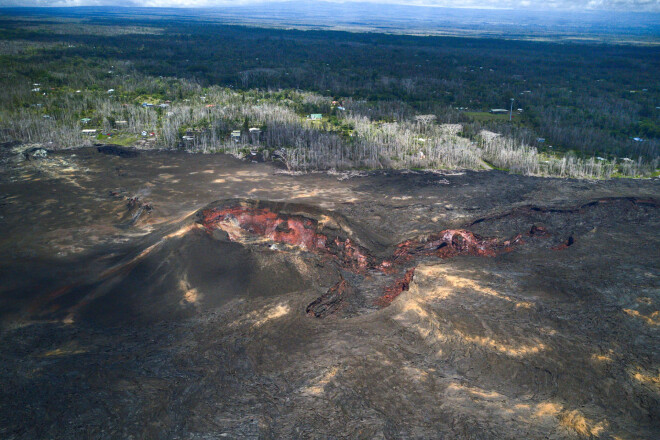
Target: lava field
168 295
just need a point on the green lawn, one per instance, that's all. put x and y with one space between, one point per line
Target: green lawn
489 117
118 139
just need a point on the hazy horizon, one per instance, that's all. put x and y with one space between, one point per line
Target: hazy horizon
523 5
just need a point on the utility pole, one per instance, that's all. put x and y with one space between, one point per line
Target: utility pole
511 111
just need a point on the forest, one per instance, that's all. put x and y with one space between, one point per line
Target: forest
570 109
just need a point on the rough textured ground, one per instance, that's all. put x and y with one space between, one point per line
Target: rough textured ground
163 295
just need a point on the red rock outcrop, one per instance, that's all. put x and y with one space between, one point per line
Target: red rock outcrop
400 285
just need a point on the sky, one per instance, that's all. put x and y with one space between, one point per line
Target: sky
568 5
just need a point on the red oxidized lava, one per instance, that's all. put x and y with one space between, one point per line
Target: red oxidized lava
292 230
446 244
331 301
560 247
303 232
449 243
353 256
399 286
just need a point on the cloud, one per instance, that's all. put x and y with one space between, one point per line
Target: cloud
568 5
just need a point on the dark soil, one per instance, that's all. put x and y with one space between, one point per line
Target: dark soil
117 150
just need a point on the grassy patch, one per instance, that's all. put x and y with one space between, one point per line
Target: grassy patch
495 167
119 139
489 117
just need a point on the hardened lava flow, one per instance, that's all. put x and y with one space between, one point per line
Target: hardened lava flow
296 227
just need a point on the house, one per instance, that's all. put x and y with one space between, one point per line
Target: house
35 90
89 131
111 90
144 133
147 105
188 138
121 123
499 111
163 105
254 134
540 140
85 120
236 135
315 116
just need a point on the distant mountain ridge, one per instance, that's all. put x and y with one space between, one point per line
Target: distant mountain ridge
374 17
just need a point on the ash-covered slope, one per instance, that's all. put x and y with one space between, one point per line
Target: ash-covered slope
172 277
